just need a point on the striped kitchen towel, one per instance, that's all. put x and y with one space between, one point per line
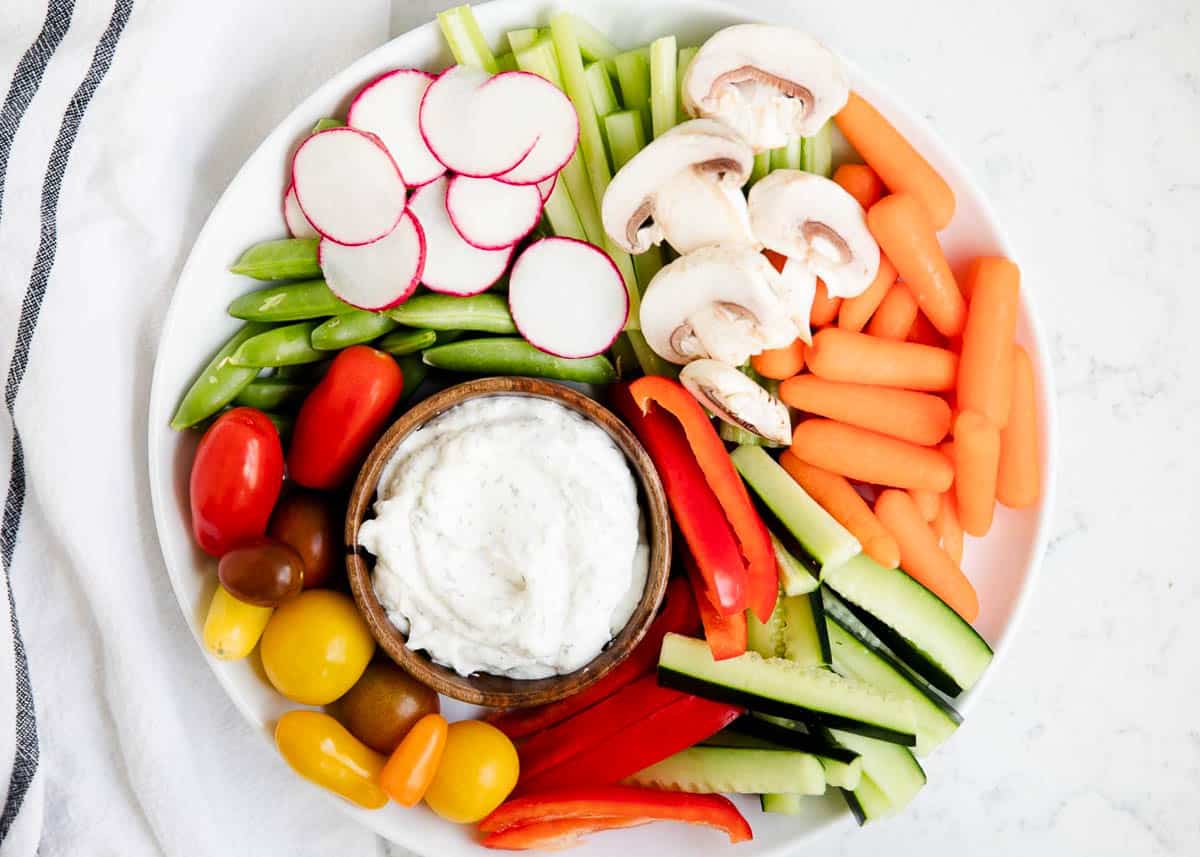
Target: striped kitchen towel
121 123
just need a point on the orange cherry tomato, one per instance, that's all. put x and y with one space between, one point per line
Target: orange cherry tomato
343 416
412 766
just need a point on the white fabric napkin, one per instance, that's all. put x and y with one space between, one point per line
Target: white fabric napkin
122 122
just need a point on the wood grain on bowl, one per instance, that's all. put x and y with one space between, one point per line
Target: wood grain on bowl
484 688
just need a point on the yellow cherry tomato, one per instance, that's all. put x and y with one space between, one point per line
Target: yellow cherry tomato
232 627
411 767
479 768
321 750
316 646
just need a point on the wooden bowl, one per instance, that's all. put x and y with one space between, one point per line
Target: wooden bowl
485 688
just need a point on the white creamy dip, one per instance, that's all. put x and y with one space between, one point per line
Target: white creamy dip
508 538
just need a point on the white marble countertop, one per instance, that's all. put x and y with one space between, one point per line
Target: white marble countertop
1081 120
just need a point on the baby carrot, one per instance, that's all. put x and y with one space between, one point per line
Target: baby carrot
976 464
902 228
896 314
919 418
824 308
861 182
856 312
1018 483
948 529
922 557
841 355
897 163
868 456
780 363
924 333
985 368
927 503
838 497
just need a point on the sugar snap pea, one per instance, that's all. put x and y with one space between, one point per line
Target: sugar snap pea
407 340
280 346
269 394
414 371
282 259
288 302
514 356
351 328
486 313
219 382
283 423
326 124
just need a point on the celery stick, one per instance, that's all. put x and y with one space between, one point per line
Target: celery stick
626 136
663 58
561 214
633 76
788 157
466 40
326 124
506 61
623 357
604 97
818 152
741 436
762 166
593 44
539 58
591 142
521 39
686 55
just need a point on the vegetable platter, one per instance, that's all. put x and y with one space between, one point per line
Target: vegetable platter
831 651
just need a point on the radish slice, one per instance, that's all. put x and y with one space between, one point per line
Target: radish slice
387 107
297 224
492 215
452 266
348 186
379 275
547 187
553 117
471 130
567 297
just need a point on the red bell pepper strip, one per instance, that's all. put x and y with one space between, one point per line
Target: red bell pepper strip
685 722
625 802
555 835
678 615
722 477
694 505
602 721
726 635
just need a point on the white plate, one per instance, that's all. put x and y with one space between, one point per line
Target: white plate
1002 566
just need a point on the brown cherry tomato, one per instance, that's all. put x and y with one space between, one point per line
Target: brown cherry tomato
383 706
263 572
308 522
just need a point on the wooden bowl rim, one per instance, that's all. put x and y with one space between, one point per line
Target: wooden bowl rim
484 688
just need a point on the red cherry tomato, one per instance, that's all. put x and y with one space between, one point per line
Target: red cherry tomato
236 477
343 416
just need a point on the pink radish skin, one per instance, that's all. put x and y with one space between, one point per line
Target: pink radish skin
492 215
468 130
380 275
545 188
297 224
387 107
567 297
348 186
554 118
452 266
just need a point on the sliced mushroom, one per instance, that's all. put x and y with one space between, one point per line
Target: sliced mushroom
684 187
721 301
816 223
737 400
771 84
796 287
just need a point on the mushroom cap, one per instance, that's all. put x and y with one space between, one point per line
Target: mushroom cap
770 83
720 301
704 146
737 399
815 222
